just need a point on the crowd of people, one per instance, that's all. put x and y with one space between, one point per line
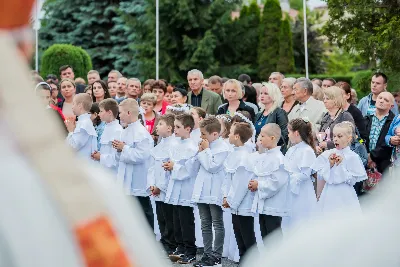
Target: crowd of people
226 162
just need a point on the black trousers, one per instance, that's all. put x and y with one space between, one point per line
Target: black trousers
269 223
165 220
147 209
243 227
184 230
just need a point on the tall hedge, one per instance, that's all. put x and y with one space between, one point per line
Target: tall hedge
268 46
64 54
286 57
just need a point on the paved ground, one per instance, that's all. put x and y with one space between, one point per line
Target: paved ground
225 263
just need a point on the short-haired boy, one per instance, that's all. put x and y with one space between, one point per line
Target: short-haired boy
237 197
82 136
198 115
158 179
183 167
271 180
207 192
134 156
112 131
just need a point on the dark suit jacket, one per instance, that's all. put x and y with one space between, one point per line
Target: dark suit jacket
382 153
280 117
210 101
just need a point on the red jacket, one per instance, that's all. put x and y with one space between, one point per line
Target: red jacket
58 110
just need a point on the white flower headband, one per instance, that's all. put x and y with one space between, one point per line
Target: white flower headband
243 117
185 108
224 118
306 119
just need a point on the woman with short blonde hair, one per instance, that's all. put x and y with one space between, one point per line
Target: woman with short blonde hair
288 95
233 93
334 103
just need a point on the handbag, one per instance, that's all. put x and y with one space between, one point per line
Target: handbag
374 177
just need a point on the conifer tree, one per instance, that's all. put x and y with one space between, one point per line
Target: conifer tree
286 57
268 47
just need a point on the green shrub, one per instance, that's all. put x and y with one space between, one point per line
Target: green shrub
64 54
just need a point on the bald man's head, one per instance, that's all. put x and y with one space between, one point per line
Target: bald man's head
384 102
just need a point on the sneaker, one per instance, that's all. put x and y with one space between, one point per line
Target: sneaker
218 262
175 256
187 259
206 261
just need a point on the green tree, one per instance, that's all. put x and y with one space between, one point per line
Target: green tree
371 28
191 36
314 44
65 54
286 57
94 25
296 4
268 47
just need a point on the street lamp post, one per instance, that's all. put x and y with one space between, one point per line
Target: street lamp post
305 37
157 38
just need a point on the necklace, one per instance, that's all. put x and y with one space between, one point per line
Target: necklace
262 118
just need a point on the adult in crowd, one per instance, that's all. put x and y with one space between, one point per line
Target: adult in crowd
179 96
113 76
215 85
250 97
378 125
328 82
168 93
276 78
121 83
354 97
353 110
52 78
92 76
67 71
99 91
397 99
43 92
205 84
271 98
318 92
112 89
378 85
233 94
147 85
317 81
393 139
308 107
244 79
80 81
159 88
68 91
133 89
198 97
288 95
334 102
54 93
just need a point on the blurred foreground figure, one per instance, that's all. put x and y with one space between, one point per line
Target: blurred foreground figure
53 210
369 240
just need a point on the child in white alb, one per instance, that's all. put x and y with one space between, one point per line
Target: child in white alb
338 169
207 191
271 181
133 156
112 131
184 168
82 136
158 179
244 116
198 115
237 197
298 161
